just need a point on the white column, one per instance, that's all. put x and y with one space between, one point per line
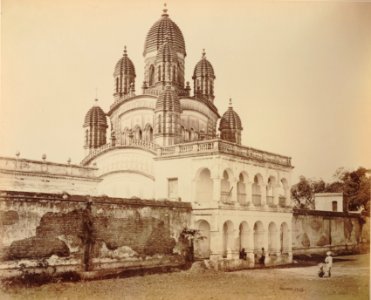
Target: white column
216 189
249 192
288 198
234 190
278 242
290 243
216 244
263 188
250 247
265 244
232 249
275 194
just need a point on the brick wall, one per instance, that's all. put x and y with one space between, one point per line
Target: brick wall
315 232
90 232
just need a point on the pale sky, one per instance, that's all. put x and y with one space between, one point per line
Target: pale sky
299 73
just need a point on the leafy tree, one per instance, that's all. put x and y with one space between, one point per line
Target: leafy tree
354 185
356 188
302 194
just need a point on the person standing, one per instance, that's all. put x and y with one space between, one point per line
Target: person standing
262 257
328 262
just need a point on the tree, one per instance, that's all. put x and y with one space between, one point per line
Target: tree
354 185
302 194
356 188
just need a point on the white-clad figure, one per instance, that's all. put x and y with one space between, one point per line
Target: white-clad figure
328 262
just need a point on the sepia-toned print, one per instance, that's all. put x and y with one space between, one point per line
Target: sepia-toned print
223 158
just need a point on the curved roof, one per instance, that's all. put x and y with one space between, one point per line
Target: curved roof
166 53
124 66
168 101
230 120
95 116
203 68
160 31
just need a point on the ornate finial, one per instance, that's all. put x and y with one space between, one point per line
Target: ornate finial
44 157
69 160
230 102
165 10
96 100
203 53
17 154
125 52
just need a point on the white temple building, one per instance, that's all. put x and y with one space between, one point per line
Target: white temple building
168 141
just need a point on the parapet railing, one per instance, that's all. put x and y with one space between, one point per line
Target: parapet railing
198 147
18 164
220 146
142 144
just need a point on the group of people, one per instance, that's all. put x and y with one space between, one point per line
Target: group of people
243 255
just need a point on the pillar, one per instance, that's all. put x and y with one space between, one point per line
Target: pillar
289 233
263 188
278 242
216 244
275 194
216 189
250 247
234 193
265 244
248 192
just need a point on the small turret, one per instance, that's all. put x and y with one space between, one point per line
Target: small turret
95 126
124 76
203 79
230 126
167 118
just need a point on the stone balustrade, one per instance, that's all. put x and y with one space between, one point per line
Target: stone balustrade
197 147
219 146
8 164
141 144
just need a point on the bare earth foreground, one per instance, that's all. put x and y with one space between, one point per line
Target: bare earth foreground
350 280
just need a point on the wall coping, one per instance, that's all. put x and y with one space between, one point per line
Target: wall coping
305 212
65 197
328 194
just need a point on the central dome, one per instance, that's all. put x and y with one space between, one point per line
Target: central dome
163 30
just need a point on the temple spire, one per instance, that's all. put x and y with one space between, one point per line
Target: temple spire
164 10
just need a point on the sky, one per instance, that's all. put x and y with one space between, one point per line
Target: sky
298 73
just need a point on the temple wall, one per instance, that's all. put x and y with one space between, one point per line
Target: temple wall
315 232
75 233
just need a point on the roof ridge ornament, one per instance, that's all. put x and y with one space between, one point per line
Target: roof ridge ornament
203 53
164 10
230 102
125 51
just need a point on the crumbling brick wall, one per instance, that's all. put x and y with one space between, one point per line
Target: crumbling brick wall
90 230
315 232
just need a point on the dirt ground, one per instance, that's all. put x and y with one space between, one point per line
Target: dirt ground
350 280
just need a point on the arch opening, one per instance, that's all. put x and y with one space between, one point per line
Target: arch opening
204 186
256 190
227 238
226 190
284 238
272 238
202 244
